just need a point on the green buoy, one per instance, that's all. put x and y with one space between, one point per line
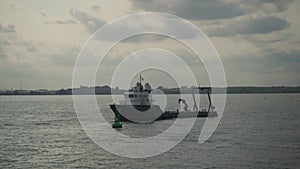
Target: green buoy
117 123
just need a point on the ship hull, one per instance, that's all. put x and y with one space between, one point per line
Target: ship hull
137 113
147 113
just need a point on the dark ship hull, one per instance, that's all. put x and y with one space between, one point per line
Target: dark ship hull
150 113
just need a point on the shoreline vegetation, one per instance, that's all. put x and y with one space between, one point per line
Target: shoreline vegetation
106 90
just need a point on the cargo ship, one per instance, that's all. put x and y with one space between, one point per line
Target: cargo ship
139 107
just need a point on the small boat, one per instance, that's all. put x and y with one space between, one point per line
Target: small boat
138 106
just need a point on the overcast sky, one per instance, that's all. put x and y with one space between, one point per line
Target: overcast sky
258 40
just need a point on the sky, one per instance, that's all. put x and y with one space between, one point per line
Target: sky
258 40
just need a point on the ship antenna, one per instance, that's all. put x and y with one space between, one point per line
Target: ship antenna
141 79
140 82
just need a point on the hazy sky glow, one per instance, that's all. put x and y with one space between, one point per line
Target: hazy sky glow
258 40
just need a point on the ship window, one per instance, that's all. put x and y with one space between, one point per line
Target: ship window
130 96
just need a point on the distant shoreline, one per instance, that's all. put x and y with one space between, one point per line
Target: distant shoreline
106 90
121 94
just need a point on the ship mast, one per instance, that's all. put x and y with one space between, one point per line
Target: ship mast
141 79
140 82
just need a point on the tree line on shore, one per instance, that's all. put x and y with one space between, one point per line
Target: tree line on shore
105 90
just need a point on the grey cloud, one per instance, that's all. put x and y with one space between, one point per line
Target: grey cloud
281 5
258 25
22 43
31 49
30 75
65 58
20 70
28 45
91 23
14 74
260 41
126 28
65 22
4 43
209 9
182 32
188 56
149 37
96 8
267 62
13 8
69 21
2 53
283 56
194 9
43 14
7 29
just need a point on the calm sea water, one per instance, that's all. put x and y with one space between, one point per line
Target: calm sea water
256 131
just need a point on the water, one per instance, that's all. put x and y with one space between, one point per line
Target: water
256 131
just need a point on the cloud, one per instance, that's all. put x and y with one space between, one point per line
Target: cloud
96 8
12 44
4 42
14 74
281 5
7 29
30 46
211 9
67 57
205 9
43 13
141 38
150 25
284 56
31 49
68 21
268 62
2 53
250 25
188 56
259 38
272 68
13 8
91 23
